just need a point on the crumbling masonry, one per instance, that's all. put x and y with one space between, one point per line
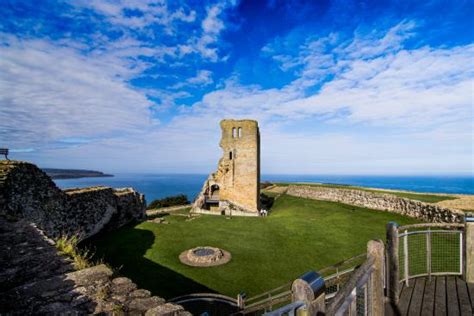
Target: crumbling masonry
234 188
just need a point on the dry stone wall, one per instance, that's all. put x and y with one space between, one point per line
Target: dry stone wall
26 192
379 201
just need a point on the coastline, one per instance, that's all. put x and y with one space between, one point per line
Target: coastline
68 177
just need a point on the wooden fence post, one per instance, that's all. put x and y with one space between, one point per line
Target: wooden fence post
375 249
393 266
469 237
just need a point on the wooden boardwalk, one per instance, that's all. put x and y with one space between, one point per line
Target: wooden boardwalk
443 295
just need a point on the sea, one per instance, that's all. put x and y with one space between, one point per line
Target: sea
156 186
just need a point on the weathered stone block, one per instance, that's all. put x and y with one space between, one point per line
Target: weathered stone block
165 310
144 304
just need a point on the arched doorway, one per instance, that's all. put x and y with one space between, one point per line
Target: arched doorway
214 194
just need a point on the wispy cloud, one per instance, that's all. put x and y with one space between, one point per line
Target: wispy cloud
212 26
49 93
139 14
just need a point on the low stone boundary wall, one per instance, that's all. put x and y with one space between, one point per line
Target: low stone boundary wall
379 201
26 192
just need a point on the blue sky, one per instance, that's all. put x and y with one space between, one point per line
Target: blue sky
338 87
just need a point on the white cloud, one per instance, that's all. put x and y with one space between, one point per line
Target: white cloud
418 103
212 26
48 93
202 77
387 110
139 14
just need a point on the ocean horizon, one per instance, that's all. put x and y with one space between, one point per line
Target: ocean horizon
155 186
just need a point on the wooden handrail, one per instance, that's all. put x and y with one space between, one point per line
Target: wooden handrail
365 269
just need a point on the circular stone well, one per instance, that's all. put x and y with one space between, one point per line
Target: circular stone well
204 257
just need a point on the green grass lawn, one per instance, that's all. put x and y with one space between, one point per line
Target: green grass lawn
428 198
298 236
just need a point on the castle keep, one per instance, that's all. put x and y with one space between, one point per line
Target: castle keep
234 188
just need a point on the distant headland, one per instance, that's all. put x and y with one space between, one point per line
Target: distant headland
74 173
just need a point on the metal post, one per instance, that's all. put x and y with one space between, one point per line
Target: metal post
405 257
353 306
428 253
271 301
366 300
393 267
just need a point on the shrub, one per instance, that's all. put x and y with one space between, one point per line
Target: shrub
68 246
266 202
180 199
265 185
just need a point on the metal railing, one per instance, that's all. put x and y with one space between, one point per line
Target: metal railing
290 309
421 250
268 300
334 276
430 249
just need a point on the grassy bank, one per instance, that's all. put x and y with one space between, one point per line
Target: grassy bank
298 236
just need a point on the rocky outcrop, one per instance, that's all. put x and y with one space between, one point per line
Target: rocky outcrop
379 201
28 193
34 279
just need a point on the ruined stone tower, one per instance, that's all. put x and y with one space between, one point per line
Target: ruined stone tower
234 189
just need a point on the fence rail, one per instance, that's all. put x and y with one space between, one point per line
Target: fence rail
426 251
423 250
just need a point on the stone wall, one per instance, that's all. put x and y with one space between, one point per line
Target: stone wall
35 280
26 192
379 201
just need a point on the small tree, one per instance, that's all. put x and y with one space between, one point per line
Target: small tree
175 200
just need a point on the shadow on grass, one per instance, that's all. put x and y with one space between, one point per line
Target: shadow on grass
125 249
